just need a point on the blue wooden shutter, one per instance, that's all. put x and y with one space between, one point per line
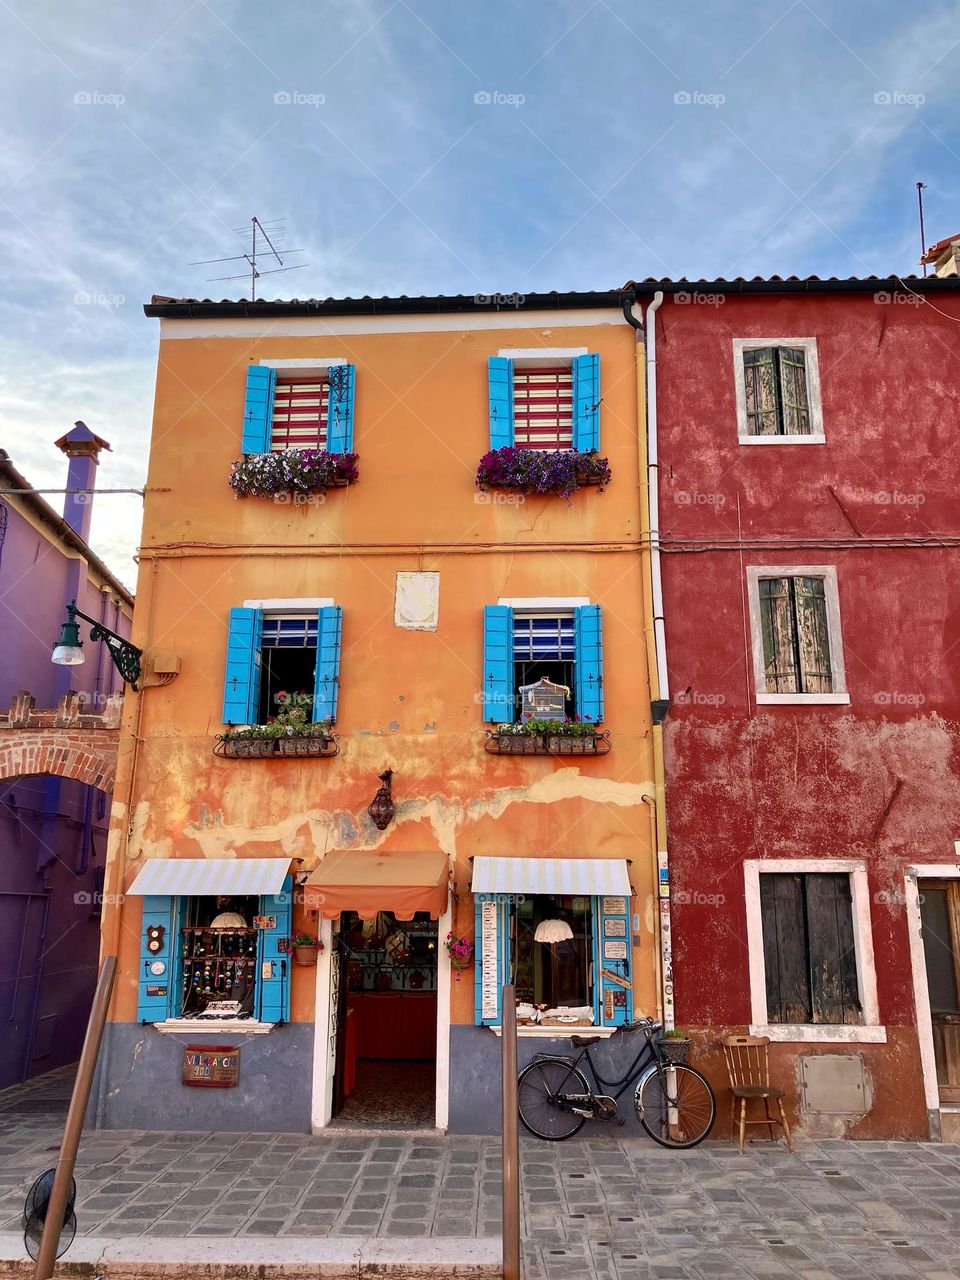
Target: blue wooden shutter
501 909
498 703
613 936
258 409
273 1004
326 680
586 403
588 650
241 685
154 991
500 378
342 378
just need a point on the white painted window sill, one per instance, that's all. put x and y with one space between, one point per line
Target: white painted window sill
812 439
803 699
559 1033
214 1026
807 1033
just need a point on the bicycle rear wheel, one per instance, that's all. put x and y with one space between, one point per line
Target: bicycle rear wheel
538 1087
676 1106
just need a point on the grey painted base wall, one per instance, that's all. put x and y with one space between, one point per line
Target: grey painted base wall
138 1082
475 1077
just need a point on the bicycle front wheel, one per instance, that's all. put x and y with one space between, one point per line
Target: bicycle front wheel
676 1106
540 1086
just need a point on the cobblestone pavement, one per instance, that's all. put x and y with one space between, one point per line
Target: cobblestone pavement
606 1208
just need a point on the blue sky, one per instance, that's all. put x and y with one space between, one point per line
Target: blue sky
703 138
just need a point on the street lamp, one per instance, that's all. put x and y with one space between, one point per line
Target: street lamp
68 651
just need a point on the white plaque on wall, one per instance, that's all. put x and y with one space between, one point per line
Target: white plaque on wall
614 951
614 906
613 928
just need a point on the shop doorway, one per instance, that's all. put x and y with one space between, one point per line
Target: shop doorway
940 925
385 1072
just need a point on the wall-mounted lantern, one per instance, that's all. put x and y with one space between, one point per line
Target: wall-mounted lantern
382 808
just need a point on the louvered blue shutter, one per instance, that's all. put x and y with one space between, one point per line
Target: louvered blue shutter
498 700
615 955
342 378
326 681
588 650
241 685
492 976
500 378
258 409
273 1004
586 403
154 990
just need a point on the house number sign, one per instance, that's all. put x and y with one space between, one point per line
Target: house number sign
211 1067
489 992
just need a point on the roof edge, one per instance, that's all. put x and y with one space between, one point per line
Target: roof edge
480 303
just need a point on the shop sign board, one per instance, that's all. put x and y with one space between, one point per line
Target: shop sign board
211 1066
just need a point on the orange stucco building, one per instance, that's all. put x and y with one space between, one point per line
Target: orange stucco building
405 609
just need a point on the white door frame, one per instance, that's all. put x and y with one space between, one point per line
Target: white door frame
324 1055
921 995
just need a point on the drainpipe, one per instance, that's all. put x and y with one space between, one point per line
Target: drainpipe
659 680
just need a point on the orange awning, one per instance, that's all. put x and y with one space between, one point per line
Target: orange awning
368 881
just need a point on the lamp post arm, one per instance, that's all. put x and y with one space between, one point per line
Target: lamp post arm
125 656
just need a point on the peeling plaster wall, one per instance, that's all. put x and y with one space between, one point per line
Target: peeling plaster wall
878 779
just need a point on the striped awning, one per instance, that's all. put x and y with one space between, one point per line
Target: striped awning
209 877
589 877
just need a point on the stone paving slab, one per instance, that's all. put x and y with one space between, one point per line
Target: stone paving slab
601 1207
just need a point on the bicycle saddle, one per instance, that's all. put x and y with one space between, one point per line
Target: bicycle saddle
581 1042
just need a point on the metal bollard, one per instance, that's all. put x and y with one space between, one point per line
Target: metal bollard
53 1223
511 1137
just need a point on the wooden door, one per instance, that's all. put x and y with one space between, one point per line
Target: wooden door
940 920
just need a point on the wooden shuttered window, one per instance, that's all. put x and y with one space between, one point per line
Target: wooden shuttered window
300 413
796 638
543 408
808 948
776 392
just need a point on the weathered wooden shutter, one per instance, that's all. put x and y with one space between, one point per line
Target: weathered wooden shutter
586 403
241 686
760 390
155 991
491 957
835 996
258 409
613 964
813 642
498 692
326 680
340 408
794 404
781 674
273 1003
785 958
500 382
588 673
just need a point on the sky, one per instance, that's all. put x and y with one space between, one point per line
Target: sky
433 146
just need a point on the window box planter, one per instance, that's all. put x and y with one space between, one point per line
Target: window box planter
236 746
292 475
559 472
508 742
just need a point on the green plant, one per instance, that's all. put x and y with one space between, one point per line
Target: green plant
676 1033
558 728
306 940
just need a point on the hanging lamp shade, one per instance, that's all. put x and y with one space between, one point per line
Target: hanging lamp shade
553 931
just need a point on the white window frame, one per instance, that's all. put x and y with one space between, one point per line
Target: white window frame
814 403
303 364
828 572
542 357
870 1030
309 604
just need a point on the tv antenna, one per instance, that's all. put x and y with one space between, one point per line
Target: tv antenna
268 244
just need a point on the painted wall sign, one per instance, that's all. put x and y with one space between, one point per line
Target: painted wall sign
489 991
211 1067
614 950
156 991
614 928
264 922
614 906
616 978
608 1006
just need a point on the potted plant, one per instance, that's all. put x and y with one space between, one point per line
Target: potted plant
675 1045
253 740
293 732
305 948
460 951
541 471
291 475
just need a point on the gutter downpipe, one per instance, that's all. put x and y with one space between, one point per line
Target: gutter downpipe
649 545
659 685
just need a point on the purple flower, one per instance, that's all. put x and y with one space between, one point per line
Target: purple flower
562 471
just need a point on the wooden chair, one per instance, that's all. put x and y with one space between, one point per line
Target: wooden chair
748 1065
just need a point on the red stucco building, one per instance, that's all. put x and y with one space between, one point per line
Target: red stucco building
809 459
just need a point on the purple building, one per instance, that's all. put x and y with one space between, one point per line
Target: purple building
53 831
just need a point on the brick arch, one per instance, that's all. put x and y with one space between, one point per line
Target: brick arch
66 742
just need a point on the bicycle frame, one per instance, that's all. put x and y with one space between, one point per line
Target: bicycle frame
638 1069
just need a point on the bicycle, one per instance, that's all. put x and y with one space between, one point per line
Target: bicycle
673 1102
